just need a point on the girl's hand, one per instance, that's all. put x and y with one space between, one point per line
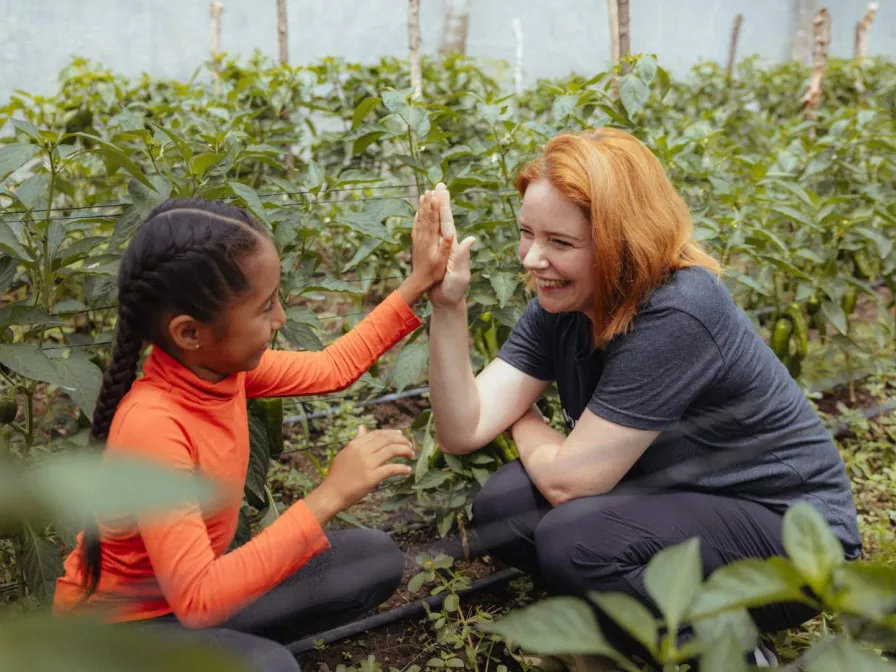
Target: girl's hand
430 247
453 288
363 464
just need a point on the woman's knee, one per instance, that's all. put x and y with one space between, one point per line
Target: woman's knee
506 494
582 545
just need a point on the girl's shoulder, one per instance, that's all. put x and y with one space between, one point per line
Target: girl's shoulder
146 413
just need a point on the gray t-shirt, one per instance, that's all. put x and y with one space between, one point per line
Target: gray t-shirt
694 367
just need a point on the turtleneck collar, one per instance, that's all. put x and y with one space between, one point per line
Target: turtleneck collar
162 369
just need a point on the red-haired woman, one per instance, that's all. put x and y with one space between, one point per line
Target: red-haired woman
682 422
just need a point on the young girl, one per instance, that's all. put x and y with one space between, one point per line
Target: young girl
199 282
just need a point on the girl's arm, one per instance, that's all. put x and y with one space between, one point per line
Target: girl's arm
469 411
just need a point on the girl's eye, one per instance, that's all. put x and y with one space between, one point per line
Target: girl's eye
269 307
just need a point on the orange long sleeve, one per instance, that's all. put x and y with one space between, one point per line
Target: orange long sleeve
178 563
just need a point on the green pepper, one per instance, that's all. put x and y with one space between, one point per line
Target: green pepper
820 326
864 268
781 337
813 305
800 328
794 365
850 296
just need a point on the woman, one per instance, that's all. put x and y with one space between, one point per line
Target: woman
664 383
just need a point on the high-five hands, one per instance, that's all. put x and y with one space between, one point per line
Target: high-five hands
453 288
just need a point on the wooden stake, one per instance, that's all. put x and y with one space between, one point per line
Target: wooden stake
625 35
862 28
517 25
414 46
282 35
613 12
732 48
455 27
821 29
216 27
800 41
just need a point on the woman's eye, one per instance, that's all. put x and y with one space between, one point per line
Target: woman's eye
562 243
524 233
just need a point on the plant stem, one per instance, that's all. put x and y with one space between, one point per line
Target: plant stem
412 147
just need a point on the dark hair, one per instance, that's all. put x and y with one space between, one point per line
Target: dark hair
185 259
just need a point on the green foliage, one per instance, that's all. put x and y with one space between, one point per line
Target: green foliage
329 156
815 574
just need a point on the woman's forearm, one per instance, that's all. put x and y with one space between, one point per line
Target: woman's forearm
453 393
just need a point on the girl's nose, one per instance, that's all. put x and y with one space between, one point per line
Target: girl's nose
279 318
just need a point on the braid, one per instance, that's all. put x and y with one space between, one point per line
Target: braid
117 378
184 243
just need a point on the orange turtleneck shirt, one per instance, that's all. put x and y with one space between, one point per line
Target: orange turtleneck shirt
152 567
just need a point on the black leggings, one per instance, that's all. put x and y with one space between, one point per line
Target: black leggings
361 570
604 543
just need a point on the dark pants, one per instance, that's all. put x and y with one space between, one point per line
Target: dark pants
604 543
361 570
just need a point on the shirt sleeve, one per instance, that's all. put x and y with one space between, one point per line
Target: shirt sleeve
285 374
654 373
530 345
203 589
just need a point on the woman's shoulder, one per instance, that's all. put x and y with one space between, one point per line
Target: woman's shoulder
695 290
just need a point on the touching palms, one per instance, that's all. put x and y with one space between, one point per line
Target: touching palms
454 285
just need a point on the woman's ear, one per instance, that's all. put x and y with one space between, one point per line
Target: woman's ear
185 333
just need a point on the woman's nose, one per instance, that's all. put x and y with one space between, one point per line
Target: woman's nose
533 259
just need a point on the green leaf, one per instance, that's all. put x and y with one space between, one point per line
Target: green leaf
250 197
259 461
302 336
269 412
725 653
115 159
563 105
746 584
364 108
41 564
146 198
838 654
834 315
811 545
363 252
124 227
673 579
16 313
633 93
864 589
452 602
182 145
557 625
82 379
9 243
333 285
646 68
203 162
86 645
410 365
393 100
13 157
416 582
364 141
630 614
315 178
736 624
505 285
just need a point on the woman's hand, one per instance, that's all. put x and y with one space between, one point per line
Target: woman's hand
430 250
453 288
358 468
